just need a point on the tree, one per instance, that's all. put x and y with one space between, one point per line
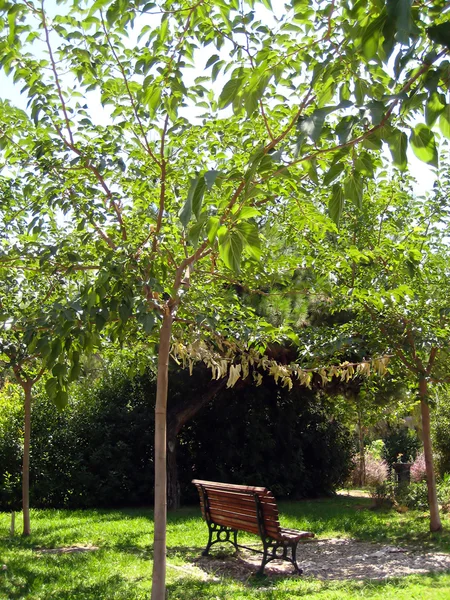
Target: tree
396 281
37 336
169 195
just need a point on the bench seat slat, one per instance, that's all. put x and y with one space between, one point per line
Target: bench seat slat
295 534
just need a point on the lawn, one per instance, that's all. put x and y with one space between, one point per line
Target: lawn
117 562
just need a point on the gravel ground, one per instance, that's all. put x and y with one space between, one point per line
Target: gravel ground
332 559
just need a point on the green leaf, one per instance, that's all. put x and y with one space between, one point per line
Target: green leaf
353 189
440 34
336 204
148 321
61 399
250 236
398 144
75 372
186 212
400 13
424 145
51 386
212 228
444 122
312 126
371 37
248 212
364 164
333 172
311 169
195 230
211 60
254 92
230 91
434 107
197 198
210 178
230 248
125 312
345 127
59 370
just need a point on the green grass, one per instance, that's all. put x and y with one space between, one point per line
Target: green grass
121 567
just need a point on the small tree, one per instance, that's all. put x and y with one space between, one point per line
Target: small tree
395 278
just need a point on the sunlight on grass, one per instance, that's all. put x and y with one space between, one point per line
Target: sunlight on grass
114 556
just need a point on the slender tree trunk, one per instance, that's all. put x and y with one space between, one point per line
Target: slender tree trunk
173 486
27 388
362 459
435 520
160 503
12 529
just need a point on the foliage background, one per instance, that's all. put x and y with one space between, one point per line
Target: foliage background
98 451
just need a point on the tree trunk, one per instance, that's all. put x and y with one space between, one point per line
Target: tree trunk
362 459
173 487
27 388
160 503
435 520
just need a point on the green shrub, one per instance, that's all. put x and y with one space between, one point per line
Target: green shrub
268 436
440 430
98 452
400 445
11 427
414 496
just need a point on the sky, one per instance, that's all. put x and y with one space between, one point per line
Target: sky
423 174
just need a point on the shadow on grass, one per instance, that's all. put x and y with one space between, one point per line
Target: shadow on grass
224 588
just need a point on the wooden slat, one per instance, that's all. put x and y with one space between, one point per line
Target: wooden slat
294 534
243 516
269 511
228 486
239 499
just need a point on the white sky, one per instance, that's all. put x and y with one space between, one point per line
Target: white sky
423 174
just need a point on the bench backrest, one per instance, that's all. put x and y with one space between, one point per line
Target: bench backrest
247 508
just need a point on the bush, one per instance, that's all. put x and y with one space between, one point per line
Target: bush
11 427
418 469
443 492
414 496
376 470
400 445
268 436
98 452
440 429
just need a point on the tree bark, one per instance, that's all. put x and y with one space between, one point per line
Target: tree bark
435 520
27 388
362 459
173 486
160 503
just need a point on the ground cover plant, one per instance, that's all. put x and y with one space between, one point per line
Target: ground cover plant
115 550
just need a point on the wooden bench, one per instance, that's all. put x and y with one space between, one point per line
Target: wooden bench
229 508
